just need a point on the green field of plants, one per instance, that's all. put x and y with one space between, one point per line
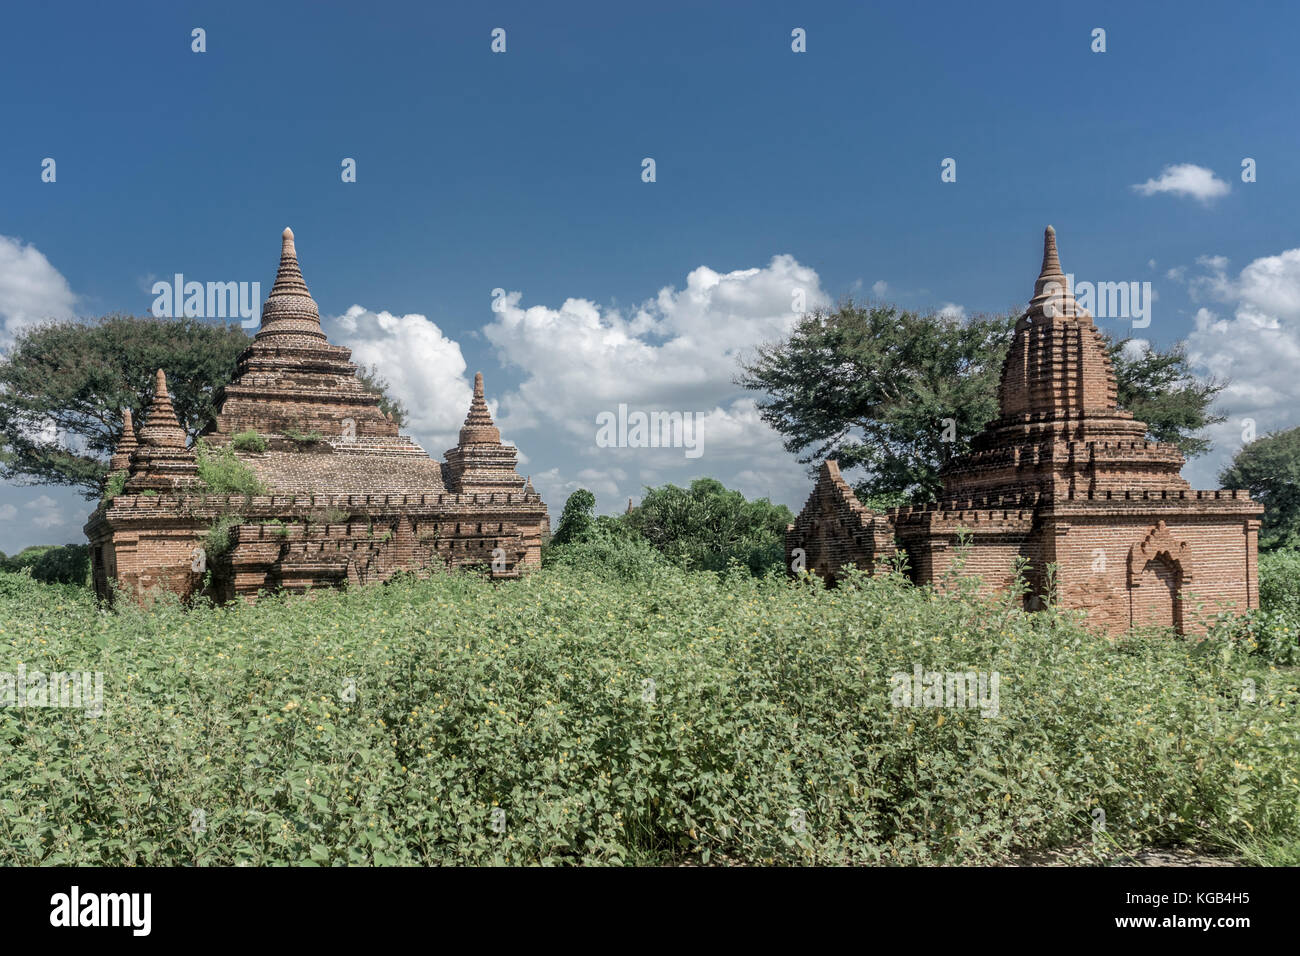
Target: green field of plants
634 713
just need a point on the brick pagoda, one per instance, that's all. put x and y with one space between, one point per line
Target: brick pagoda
1063 476
345 497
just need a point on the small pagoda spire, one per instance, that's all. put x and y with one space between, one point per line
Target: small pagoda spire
161 460
1053 297
161 427
480 462
290 309
479 428
121 459
289 280
1051 261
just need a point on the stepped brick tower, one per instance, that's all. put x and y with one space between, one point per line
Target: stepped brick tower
343 496
1065 477
480 463
161 459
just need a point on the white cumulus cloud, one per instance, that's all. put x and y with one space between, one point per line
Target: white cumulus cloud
1256 347
30 289
1185 179
45 512
424 369
678 352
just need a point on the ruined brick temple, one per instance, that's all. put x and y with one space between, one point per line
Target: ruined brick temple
345 497
1063 476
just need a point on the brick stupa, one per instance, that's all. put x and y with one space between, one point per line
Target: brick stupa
1063 476
344 496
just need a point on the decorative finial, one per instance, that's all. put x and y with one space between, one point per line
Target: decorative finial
287 235
161 428
478 423
1051 261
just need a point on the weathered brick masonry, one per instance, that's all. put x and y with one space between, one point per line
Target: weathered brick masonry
1063 476
348 498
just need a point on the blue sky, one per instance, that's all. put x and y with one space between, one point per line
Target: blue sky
522 171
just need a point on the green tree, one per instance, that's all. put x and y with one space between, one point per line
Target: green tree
899 394
1269 468
706 526
64 385
577 521
1158 387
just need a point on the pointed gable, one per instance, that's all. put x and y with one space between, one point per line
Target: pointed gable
835 528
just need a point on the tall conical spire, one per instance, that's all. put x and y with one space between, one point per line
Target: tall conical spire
289 280
121 459
1061 432
290 309
1053 297
161 427
1051 261
479 428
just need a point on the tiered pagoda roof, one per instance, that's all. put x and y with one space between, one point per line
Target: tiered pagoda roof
1061 433
291 383
480 462
161 460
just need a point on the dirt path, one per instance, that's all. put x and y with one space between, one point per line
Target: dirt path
1087 856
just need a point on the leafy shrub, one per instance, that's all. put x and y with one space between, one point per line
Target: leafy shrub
577 521
1273 630
607 552
1279 582
248 441
707 527
66 564
220 538
26 557
222 473
638 721
303 438
114 485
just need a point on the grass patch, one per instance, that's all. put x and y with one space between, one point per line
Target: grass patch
222 473
249 441
303 439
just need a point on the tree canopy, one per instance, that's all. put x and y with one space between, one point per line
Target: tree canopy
707 525
899 394
1269 468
